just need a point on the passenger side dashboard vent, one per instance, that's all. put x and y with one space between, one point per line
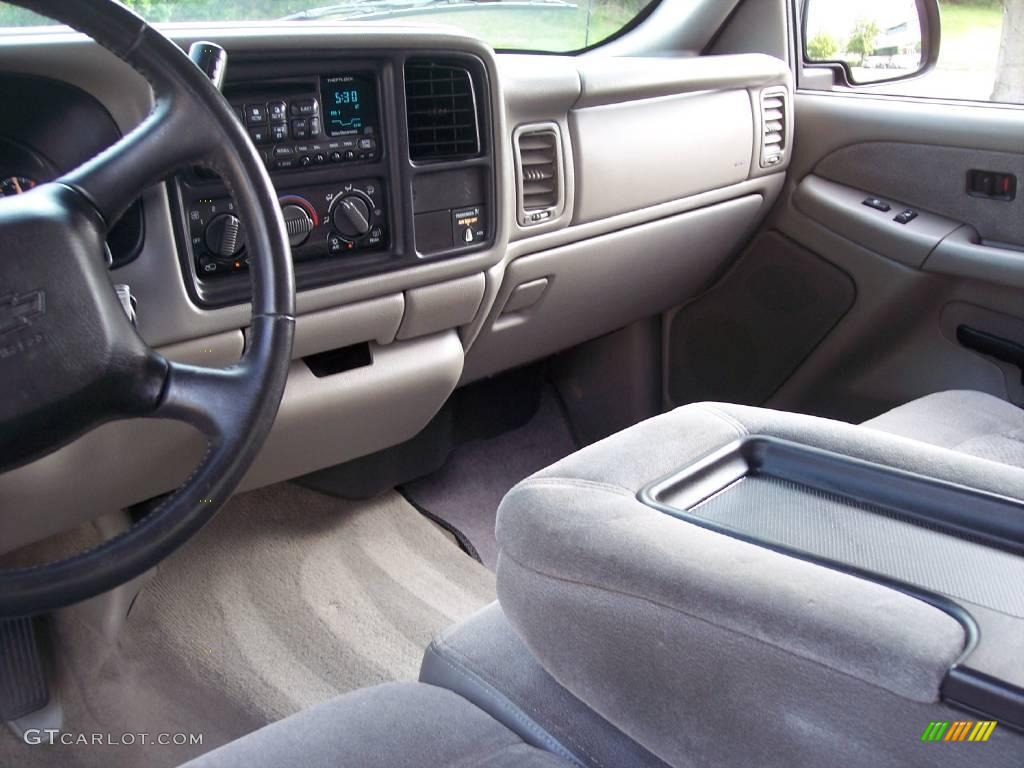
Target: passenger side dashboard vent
541 174
441 109
775 126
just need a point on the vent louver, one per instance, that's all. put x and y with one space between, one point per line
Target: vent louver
539 157
441 109
775 138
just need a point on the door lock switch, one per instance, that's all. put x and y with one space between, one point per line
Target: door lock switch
878 204
905 217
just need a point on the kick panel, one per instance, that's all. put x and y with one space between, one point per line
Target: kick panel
741 340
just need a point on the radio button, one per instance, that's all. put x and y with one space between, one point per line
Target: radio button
314 126
284 151
335 157
255 114
259 135
300 129
304 107
278 133
278 112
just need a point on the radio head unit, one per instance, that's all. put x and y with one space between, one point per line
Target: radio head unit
297 124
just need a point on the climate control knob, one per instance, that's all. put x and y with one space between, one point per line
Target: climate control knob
351 216
224 236
297 222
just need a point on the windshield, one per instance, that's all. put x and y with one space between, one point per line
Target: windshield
557 26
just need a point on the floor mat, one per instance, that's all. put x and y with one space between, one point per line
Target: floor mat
466 491
288 598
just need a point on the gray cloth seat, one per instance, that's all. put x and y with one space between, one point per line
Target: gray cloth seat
398 725
485 661
961 420
707 649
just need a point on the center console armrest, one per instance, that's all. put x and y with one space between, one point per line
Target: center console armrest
658 619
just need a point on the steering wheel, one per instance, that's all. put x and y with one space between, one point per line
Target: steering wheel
71 360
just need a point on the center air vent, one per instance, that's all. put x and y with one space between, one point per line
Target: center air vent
541 178
441 107
775 137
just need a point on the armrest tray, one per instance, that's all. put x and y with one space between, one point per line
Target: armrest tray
958 548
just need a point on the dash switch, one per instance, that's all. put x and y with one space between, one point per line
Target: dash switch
468 225
878 204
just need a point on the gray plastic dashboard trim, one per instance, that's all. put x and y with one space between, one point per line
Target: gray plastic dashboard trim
704 142
600 285
321 422
607 80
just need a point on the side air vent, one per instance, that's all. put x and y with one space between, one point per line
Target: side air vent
541 176
775 138
441 108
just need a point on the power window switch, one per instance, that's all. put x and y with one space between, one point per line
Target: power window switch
878 204
905 217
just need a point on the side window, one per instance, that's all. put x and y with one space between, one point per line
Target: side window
880 46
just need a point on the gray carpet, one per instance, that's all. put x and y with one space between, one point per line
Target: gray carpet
287 599
467 490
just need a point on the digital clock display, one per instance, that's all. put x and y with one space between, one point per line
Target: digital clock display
349 105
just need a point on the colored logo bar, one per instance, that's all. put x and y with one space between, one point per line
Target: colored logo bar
959 730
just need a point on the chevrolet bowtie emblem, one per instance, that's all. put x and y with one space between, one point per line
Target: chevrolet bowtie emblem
17 311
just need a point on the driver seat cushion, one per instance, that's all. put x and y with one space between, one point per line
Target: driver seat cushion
396 725
969 422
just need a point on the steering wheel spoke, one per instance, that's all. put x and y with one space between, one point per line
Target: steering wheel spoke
162 143
210 399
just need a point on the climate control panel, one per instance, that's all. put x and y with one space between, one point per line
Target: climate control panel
325 221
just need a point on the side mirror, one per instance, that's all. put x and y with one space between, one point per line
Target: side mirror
866 42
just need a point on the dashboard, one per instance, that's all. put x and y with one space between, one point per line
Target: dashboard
453 213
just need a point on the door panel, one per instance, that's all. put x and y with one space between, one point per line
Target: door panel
959 263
